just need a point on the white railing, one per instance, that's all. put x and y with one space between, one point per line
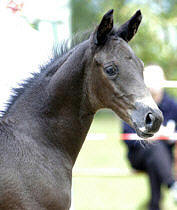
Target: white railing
170 84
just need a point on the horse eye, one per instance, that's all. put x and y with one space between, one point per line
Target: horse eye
111 71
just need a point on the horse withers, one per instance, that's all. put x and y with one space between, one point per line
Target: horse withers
47 120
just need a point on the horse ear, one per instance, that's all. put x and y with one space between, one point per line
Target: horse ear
105 26
129 29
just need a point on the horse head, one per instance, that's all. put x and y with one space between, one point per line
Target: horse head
116 80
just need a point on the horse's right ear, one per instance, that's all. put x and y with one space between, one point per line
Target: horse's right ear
104 28
129 29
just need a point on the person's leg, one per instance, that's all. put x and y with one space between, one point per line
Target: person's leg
161 163
159 169
155 187
141 160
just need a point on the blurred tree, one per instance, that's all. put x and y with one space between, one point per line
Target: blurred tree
84 14
156 41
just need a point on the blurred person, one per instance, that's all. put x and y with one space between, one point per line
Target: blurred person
156 158
22 48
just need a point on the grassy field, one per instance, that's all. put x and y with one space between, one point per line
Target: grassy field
123 190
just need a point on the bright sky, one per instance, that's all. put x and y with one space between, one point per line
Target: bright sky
23 49
50 10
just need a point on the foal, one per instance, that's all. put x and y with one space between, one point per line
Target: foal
44 127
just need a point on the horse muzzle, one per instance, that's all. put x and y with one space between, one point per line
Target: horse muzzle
146 120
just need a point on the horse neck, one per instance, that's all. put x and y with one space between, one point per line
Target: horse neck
66 115
75 113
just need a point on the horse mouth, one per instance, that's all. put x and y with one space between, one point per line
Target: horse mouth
143 134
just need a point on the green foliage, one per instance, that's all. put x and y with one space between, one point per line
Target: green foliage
156 40
84 14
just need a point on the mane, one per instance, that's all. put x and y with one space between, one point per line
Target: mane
51 67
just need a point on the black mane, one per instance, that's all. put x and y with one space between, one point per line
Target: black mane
51 67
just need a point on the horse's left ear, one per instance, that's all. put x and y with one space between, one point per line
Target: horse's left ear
129 29
105 26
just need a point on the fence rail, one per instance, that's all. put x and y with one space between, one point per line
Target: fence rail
103 172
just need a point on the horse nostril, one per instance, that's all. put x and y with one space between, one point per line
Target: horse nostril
149 119
153 121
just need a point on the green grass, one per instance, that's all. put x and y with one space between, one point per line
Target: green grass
129 192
